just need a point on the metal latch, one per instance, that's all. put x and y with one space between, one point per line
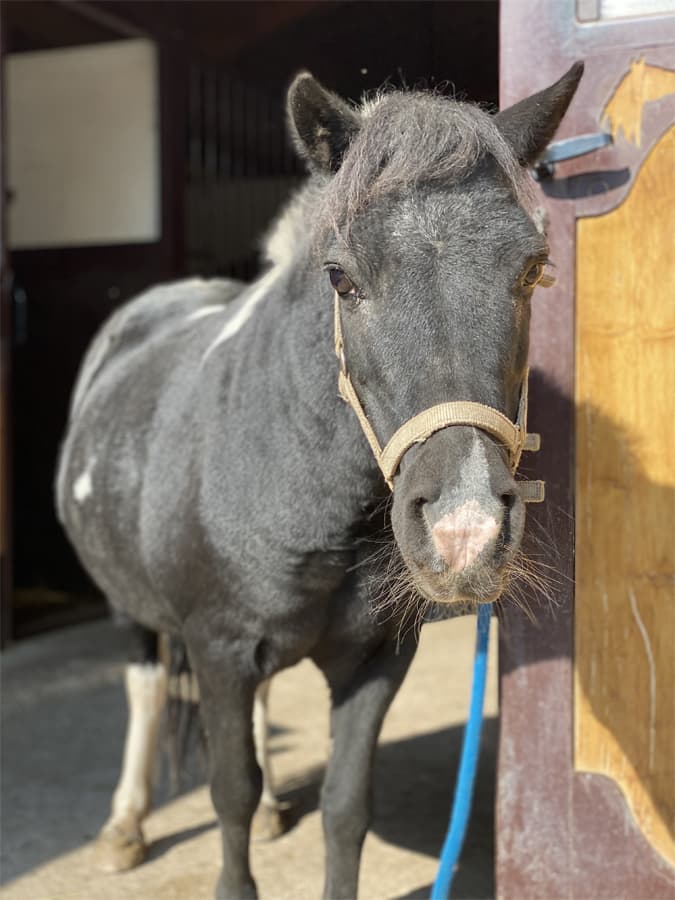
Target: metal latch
569 149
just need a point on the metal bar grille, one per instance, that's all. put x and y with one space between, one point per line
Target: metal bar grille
239 171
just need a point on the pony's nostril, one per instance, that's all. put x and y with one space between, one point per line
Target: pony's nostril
417 506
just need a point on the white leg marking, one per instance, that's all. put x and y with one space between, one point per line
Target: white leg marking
146 694
205 311
254 295
82 487
260 738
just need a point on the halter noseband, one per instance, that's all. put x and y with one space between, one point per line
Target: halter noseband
512 435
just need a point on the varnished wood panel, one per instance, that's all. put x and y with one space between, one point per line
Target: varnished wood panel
564 834
641 85
625 497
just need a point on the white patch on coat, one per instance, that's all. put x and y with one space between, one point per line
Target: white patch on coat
475 469
473 482
205 311
287 233
82 486
146 686
281 244
252 298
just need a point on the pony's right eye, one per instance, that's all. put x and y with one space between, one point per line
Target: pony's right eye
533 275
341 283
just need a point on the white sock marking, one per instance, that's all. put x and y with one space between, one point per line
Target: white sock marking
146 694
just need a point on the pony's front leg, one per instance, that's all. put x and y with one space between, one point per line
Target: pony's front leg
359 704
226 701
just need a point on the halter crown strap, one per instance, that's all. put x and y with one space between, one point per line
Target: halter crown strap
419 428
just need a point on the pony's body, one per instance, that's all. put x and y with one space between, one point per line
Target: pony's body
247 518
217 487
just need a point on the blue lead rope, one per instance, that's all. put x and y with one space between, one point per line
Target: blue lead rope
461 806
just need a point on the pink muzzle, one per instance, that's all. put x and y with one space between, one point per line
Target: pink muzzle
460 536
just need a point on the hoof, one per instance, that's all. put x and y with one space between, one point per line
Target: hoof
245 891
269 822
119 847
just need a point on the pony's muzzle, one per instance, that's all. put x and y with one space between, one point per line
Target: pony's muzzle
458 516
477 532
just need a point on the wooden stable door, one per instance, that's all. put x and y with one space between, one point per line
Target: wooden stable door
586 796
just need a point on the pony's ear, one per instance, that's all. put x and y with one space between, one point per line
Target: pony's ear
528 126
322 124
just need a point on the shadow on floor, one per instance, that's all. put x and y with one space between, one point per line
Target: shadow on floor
163 845
64 715
414 786
415 781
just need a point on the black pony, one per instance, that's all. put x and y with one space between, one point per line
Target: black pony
217 487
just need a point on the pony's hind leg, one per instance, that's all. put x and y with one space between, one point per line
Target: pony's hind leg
268 822
120 844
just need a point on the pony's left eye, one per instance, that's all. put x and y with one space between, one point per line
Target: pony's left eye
532 275
341 283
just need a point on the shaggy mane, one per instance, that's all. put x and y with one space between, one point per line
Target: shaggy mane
406 139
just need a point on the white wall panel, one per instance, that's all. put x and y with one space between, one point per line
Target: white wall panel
83 145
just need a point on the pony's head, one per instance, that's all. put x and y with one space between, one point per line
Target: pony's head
421 218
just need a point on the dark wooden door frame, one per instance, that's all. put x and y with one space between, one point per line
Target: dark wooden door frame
5 379
563 833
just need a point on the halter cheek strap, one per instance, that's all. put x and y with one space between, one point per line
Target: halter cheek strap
419 428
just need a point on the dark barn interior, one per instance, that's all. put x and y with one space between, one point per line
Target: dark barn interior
225 167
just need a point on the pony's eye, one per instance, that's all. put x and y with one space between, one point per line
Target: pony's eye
341 283
533 275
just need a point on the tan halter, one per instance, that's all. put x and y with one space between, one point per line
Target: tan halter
514 436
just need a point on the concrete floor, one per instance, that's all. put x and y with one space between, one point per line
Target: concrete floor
63 717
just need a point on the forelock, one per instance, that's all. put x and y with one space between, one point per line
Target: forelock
409 139
406 139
